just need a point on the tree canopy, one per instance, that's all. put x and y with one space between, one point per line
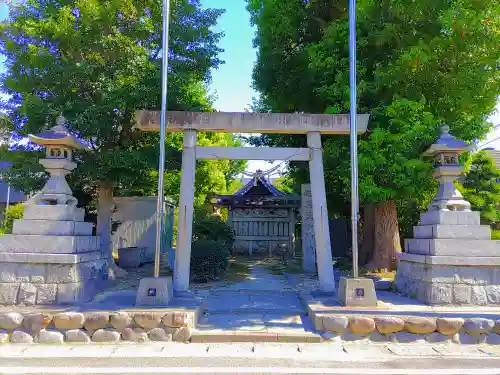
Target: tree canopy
481 187
97 62
420 64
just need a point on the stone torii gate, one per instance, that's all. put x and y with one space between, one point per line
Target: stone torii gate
222 122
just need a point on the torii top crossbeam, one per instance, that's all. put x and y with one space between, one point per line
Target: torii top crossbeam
290 123
227 122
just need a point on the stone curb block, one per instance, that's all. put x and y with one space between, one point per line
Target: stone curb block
145 326
11 320
100 326
420 325
410 328
388 324
478 326
360 325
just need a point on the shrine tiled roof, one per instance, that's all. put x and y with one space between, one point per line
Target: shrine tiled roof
260 179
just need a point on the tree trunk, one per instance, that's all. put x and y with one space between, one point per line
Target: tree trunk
387 241
103 229
366 253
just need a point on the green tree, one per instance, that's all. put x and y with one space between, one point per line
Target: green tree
97 62
419 64
481 187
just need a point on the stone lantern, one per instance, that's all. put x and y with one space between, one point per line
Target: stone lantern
51 257
451 260
59 143
445 153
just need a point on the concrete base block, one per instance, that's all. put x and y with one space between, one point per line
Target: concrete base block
71 293
154 292
469 232
441 284
51 283
52 227
61 213
452 247
357 292
51 258
17 243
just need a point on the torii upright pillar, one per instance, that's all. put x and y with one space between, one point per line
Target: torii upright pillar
320 214
275 123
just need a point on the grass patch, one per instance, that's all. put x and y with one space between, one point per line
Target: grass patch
293 268
237 271
495 234
364 272
279 269
384 274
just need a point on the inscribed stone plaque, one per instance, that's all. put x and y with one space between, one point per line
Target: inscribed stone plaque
308 240
339 237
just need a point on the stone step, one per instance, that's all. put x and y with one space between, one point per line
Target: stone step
230 292
52 227
234 336
255 311
63 213
470 232
254 328
253 303
23 243
453 247
450 218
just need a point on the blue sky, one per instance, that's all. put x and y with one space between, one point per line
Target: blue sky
232 81
3 15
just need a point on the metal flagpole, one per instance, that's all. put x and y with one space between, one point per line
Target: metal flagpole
354 135
8 197
163 121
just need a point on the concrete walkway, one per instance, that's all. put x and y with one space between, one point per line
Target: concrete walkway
265 307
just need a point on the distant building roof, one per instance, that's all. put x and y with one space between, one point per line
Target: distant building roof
14 195
259 185
495 154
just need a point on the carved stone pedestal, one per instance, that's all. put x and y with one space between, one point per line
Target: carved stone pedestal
452 260
51 258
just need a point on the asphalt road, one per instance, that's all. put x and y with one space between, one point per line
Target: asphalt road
247 359
234 365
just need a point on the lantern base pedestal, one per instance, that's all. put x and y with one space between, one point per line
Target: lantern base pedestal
154 291
451 260
357 292
450 280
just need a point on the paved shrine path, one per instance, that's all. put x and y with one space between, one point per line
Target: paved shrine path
264 302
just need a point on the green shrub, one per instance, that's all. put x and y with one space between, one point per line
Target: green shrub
207 227
212 241
13 212
495 234
209 260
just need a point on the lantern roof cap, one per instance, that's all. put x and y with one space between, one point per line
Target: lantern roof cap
59 135
447 143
